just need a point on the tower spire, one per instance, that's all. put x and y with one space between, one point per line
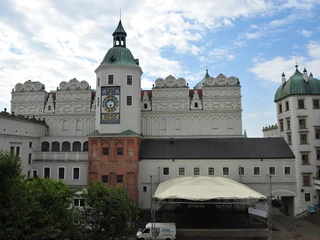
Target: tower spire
119 36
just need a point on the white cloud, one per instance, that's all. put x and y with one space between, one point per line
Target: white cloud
252 116
305 33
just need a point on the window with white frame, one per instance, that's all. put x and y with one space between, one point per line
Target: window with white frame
46 172
307 197
225 171
256 171
287 170
61 173
196 171
144 188
129 80
210 171
181 171
241 171
272 170
76 173
165 171
110 79
78 202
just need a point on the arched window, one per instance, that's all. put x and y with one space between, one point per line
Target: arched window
66 147
145 106
45 147
196 105
76 147
85 146
49 108
55 147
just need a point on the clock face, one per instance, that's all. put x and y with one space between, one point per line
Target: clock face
110 103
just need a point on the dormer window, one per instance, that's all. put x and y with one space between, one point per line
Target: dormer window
145 106
196 105
49 108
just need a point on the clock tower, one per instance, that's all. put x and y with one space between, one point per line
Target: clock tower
114 145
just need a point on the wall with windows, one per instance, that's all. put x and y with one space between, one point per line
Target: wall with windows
21 136
251 172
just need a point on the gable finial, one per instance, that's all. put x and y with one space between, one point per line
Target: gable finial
295 56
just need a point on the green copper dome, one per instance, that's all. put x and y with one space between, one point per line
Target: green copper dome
297 85
200 84
119 56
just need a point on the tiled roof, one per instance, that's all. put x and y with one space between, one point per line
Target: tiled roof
215 148
119 56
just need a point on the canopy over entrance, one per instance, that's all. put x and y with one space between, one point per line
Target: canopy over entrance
204 188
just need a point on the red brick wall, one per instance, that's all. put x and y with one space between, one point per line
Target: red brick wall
112 164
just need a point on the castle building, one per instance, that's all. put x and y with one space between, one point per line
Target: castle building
123 136
298 114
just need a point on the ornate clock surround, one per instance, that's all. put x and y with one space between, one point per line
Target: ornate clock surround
110 105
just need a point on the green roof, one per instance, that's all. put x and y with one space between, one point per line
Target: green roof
119 29
119 56
296 85
200 84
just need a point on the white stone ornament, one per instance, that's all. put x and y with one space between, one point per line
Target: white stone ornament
181 82
232 81
63 85
84 85
159 82
28 86
210 82
221 80
37 86
73 84
19 87
170 81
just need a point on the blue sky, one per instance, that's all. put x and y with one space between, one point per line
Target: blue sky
255 40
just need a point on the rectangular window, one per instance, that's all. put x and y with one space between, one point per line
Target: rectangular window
165 171
210 171
119 178
256 171
280 108
29 174
288 124
119 151
196 171
318 154
287 106
307 197
46 172
12 150
181 171
34 173
104 178
225 171
289 138
302 123
30 144
287 171
144 189
300 103
317 132
316 104
306 177
98 100
281 125
129 80
98 82
76 173
272 170
78 202
29 158
18 151
241 171
110 79
61 173
303 138
304 158
105 151
129 100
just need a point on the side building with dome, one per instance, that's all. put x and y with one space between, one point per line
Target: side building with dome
298 122
121 135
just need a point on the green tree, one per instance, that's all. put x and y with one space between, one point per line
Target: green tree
110 213
33 208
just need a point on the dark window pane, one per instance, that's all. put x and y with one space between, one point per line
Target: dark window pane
76 173
104 178
119 178
105 151
129 80
76 147
119 151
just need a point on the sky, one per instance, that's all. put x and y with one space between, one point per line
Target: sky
254 40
